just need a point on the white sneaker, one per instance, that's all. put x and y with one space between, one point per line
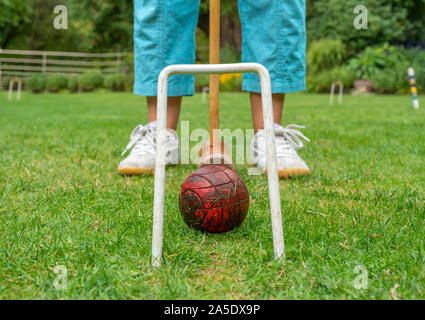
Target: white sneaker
289 163
141 159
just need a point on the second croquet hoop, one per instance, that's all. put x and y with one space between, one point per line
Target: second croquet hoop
332 93
18 90
205 90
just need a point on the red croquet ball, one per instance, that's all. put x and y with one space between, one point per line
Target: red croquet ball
214 199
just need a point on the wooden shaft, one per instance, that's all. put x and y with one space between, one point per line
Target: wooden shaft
214 78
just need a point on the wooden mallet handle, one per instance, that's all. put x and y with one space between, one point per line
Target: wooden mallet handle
214 78
215 151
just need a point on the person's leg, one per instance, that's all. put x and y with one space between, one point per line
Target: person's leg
257 109
164 34
173 111
279 46
274 35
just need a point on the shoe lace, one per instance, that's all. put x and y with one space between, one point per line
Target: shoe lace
287 139
142 138
292 136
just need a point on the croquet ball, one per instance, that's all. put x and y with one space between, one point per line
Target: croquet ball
214 199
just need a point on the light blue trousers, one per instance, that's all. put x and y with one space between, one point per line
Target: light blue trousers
273 34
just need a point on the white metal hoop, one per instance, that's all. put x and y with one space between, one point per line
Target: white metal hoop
273 179
18 90
205 90
332 93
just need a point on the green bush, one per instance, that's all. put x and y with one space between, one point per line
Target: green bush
374 59
392 21
73 84
324 55
322 81
386 66
390 81
115 82
91 80
56 82
395 80
37 83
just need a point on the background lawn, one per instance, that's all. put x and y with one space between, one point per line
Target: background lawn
62 203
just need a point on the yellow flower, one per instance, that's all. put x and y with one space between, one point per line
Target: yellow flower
224 78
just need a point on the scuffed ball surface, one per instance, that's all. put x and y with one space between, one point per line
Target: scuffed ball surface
214 199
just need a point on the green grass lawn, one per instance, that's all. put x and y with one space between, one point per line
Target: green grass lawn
62 203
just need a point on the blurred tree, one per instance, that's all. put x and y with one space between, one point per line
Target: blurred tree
395 21
99 25
35 30
12 14
107 25
112 23
230 34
